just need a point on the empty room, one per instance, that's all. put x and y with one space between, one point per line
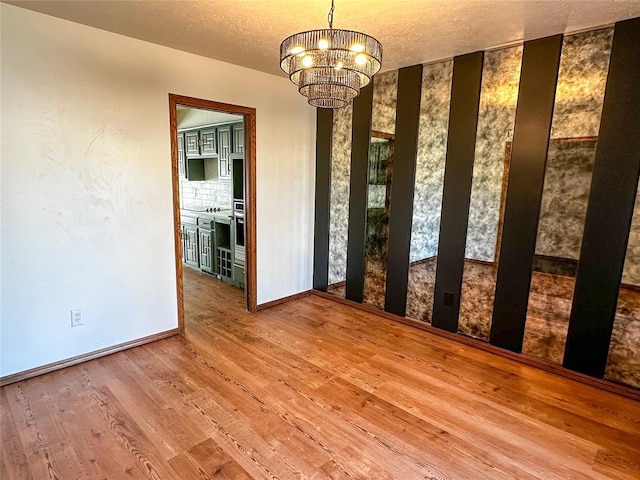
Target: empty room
319 239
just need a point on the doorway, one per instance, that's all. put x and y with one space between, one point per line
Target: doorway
202 163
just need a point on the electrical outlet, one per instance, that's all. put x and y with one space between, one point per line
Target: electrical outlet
448 299
77 318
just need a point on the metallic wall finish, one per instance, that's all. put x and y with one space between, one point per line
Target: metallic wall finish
383 119
498 98
432 152
427 201
340 175
610 210
582 75
584 63
534 113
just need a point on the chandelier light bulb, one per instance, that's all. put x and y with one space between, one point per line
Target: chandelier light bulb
356 47
307 61
296 50
361 59
323 44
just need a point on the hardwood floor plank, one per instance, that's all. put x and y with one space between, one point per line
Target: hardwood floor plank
613 465
250 450
101 456
37 448
357 466
310 389
137 443
14 462
183 467
207 461
246 405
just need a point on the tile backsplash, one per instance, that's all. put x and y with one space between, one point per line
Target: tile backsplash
204 194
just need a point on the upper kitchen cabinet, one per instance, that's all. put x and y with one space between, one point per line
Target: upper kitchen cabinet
181 158
224 149
237 146
208 142
193 147
201 149
192 143
200 143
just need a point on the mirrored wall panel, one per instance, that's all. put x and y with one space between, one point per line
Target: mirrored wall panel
383 125
563 194
339 214
496 117
623 364
582 78
427 203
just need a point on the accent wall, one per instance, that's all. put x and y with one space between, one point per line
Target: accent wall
581 73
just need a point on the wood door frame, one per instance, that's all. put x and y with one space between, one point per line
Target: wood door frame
249 115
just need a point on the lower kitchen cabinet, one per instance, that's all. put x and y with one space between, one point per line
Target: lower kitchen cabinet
190 245
224 254
224 264
238 275
205 240
207 244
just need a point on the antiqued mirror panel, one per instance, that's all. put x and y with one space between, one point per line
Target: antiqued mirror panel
383 124
496 117
339 208
623 363
582 78
427 203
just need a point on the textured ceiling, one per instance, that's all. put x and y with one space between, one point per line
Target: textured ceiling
194 117
249 32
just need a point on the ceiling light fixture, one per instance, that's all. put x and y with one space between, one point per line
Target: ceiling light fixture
330 66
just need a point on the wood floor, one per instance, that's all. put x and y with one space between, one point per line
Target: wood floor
310 389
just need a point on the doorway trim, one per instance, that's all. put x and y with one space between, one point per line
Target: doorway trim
249 115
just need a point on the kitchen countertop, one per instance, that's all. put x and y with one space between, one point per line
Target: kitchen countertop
226 214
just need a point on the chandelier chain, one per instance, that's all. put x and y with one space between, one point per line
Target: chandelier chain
330 16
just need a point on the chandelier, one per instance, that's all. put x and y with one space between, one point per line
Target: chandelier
329 65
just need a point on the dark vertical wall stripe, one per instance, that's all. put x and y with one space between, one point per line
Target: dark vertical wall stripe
461 146
610 208
324 135
538 78
358 189
404 173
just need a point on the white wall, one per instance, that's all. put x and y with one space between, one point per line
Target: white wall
86 184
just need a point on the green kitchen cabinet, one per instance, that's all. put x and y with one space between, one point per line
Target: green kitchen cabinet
205 243
192 143
224 149
201 142
238 275
182 168
208 143
223 248
190 245
237 145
